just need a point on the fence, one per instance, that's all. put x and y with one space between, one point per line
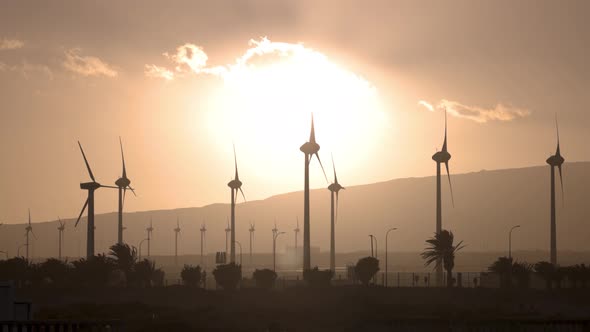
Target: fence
61 326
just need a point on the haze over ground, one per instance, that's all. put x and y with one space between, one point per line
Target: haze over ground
487 204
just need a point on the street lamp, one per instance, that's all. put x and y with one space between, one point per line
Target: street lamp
240 245
140 243
510 241
274 249
386 234
373 238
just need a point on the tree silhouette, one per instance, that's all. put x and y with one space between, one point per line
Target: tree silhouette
16 269
191 275
547 271
124 256
228 276
522 272
264 278
55 272
144 273
366 268
503 267
93 272
441 250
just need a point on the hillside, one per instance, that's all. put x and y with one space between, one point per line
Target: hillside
487 204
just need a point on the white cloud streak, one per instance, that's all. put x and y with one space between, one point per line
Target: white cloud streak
154 71
500 112
87 65
27 70
11 44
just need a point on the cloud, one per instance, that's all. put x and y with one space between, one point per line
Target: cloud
154 71
87 65
190 58
478 114
27 70
11 44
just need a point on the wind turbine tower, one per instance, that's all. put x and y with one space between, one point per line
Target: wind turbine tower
334 188
252 230
149 231
28 229
123 183
310 149
61 229
234 185
203 233
555 160
90 187
176 234
441 157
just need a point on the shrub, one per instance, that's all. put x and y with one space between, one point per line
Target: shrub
191 275
228 276
264 278
318 279
366 268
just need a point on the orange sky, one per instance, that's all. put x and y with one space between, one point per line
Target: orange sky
86 71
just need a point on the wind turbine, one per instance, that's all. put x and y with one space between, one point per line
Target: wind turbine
555 160
334 188
441 157
61 229
203 230
235 185
296 231
310 149
29 229
227 234
149 231
176 234
252 230
90 187
123 183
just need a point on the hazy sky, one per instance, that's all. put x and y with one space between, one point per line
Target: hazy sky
180 81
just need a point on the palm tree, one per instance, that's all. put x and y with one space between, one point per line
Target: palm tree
503 267
441 250
547 271
125 256
522 272
145 272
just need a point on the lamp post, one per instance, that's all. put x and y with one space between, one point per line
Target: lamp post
274 249
373 239
510 241
386 234
240 245
140 243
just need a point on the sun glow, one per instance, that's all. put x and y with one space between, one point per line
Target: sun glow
266 100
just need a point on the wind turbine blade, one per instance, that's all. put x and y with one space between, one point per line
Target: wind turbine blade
444 148
86 161
450 185
81 212
322 166
124 194
132 190
236 163
34 236
561 181
334 167
312 133
243 196
123 159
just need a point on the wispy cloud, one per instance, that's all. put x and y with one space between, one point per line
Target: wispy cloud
154 71
11 44
87 65
27 70
500 112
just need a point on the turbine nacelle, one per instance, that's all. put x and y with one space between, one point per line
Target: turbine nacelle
123 183
555 160
90 185
310 148
441 157
235 184
335 187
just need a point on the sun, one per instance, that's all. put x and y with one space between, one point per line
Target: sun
265 106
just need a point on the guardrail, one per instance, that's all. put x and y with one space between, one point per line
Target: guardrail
61 326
